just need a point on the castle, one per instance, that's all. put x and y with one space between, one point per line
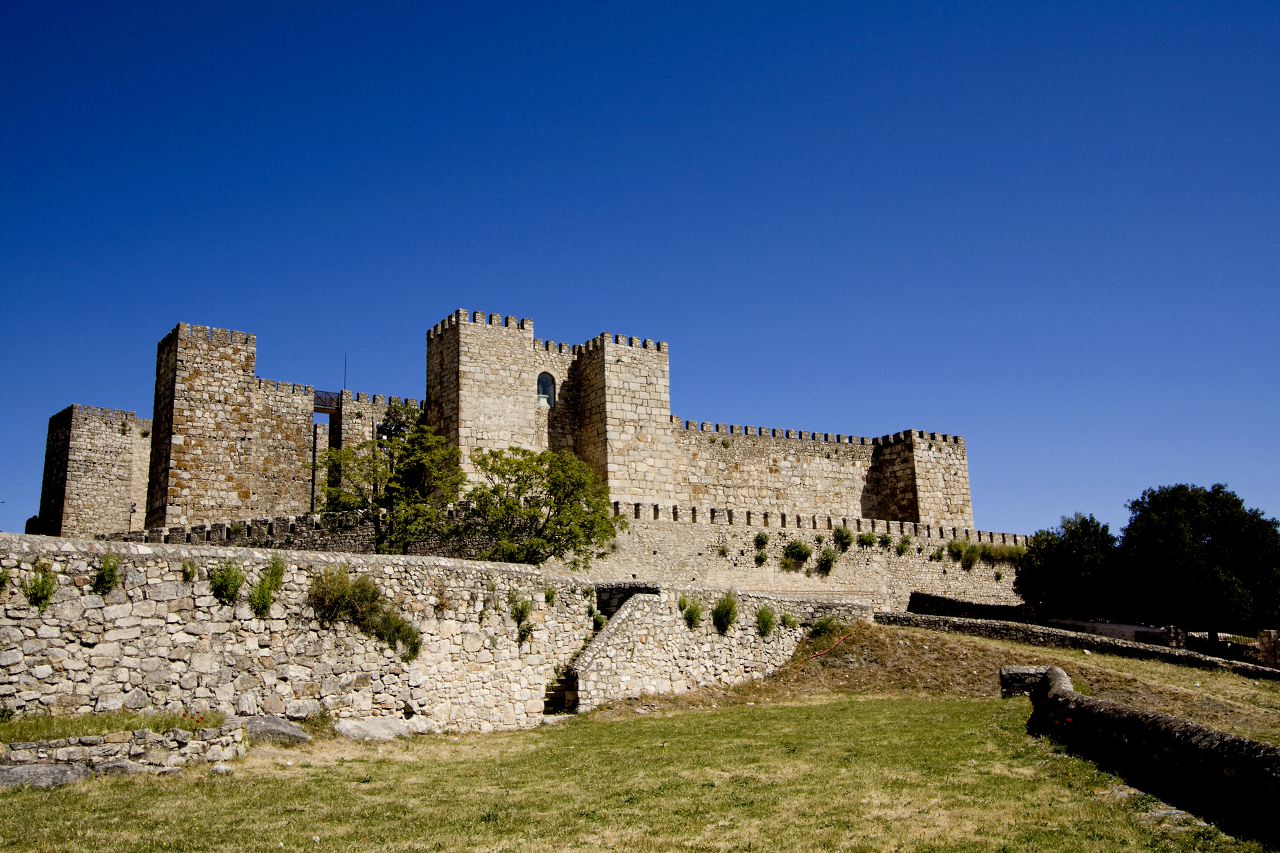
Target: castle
224 445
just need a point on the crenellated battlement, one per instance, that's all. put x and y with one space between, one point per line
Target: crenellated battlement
479 318
110 416
221 337
286 388
735 430
605 339
381 399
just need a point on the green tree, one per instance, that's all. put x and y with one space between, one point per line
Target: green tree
406 475
528 507
1068 570
1198 558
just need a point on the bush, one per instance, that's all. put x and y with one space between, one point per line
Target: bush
4 577
723 551
884 540
936 556
725 613
335 597
955 549
40 586
824 627
264 591
766 620
599 620
225 580
827 561
903 546
189 570
761 558
797 552
762 539
107 576
521 609
969 557
789 622
549 596
691 610
866 540
843 537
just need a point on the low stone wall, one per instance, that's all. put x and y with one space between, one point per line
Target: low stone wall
159 642
647 648
1225 778
690 546
1039 635
131 751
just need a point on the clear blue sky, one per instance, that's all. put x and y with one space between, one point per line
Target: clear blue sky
1052 228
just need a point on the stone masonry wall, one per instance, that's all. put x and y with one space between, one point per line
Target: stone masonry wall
161 643
226 445
683 545
95 471
642 461
131 751
647 648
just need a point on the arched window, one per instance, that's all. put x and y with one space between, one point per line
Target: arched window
546 389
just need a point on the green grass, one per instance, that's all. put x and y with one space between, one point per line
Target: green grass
42 727
849 773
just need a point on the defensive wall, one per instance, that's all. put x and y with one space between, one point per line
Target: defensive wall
161 641
225 444
688 546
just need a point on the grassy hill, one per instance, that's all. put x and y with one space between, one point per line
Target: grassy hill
874 739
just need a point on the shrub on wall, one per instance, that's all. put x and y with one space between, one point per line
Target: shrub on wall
264 591
521 609
725 613
335 597
40 586
189 570
827 561
225 580
798 552
4 577
762 539
762 557
789 622
903 546
691 610
884 540
766 619
723 551
106 576
843 537
866 540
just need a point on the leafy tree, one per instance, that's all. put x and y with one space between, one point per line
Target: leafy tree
407 475
529 507
1067 571
1198 558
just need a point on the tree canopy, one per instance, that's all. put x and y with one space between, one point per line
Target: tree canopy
1191 556
529 507
521 507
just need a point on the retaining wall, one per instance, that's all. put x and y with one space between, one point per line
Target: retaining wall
131 751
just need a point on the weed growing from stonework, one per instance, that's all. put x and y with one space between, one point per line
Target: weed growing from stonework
4 577
225 580
762 539
866 540
107 576
761 558
40 586
824 627
797 552
723 551
725 613
549 596
264 591
521 609
599 620
955 549
827 561
903 546
789 622
691 610
766 620
842 537
969 557
334 597
936 556
884 540
6 713
189 570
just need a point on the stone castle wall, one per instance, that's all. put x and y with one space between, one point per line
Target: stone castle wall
161 643
228 445
95 474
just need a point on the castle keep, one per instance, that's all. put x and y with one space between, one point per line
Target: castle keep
225 445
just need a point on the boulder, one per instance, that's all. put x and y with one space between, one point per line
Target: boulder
373 728
274 730
42 775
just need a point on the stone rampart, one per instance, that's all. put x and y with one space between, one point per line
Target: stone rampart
647 649
159 642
